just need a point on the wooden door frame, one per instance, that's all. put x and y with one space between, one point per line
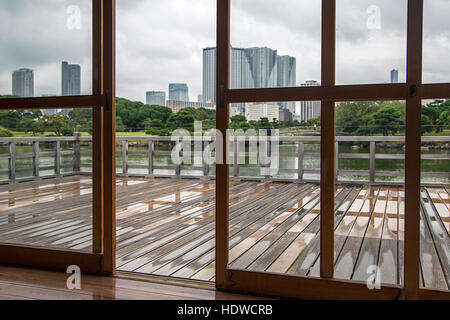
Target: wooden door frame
102 102
413 91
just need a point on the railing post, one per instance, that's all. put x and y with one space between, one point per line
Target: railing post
76 153
36 159
125 157
178 166
372 161
205 159
58 158
300 155
12 161
150 157
336 161
235 157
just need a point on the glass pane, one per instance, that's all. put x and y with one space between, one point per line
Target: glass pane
369 228
46 48
371 41
435 203
274 191
164 225
436 41
45 179
274 44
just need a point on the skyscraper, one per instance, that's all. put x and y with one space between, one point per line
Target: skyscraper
394 76
309 109
157 98
70 79
23 83
178 91
250 68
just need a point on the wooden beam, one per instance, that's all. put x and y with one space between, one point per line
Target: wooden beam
109 137
413 148
52 259
324 92
74 102
436 91
327 153
222 124
306 288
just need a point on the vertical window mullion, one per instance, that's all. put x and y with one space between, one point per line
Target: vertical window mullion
413 147
327 153
222 124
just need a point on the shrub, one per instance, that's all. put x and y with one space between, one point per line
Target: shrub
5 132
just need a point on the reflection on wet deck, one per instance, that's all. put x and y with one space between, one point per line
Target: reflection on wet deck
166 226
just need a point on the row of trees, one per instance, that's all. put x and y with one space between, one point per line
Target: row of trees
352 118
388 118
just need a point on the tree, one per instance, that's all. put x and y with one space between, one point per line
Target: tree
182 119
59 124
387 120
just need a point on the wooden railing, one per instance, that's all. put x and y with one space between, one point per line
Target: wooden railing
77 166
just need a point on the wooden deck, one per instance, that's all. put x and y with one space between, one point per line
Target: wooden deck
166 226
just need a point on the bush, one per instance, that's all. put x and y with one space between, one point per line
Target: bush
5 132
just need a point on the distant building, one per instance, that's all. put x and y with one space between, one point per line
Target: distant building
155 98
178 91
70 79
250 68
284 115
177 105
256 111
200 98
23 83
394 76
309 109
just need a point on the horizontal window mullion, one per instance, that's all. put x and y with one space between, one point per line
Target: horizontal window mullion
324 93
436 91
72 102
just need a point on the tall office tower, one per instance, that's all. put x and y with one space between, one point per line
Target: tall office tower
178 91
309 109
209 75
250 68
394 76
286 78
70 79
23 83
155 98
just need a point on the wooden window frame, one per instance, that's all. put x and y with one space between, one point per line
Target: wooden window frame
413 91
102 102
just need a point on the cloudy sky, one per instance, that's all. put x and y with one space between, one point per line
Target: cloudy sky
161 41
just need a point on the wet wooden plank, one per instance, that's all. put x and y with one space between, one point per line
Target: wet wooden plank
370 247
346 260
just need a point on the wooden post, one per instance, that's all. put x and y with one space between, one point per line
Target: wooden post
76 153
150 157
109 136
58 158
372 161
413 148
222 124
12 161
36 159
300 155
125 156
327 153
97 128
